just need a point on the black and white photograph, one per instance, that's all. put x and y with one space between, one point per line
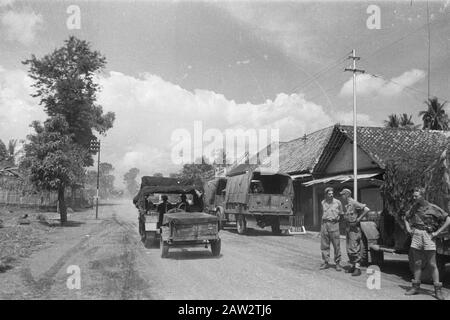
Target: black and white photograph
224 155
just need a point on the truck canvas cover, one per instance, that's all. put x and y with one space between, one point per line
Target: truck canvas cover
179 218
237 189
151 185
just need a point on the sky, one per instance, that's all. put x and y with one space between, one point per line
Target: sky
229 65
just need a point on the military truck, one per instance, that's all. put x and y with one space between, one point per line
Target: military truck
214 199
252 198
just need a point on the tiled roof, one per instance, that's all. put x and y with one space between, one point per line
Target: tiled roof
302 154
298 155
313 152
382 144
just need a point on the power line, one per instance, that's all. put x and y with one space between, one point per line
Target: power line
321 72
404 86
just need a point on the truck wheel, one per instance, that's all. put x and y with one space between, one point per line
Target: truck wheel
215 247
142 230
149 239
241 224
164 246
276 228
377 257
440 261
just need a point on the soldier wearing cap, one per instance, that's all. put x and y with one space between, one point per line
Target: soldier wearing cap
329 230
354 212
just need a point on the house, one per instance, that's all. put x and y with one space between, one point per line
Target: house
325 158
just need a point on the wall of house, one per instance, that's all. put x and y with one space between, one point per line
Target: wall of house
343 160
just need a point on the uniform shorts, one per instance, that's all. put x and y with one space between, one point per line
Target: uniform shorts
421 240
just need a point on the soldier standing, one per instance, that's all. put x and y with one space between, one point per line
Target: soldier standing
329 230
354 212
424 221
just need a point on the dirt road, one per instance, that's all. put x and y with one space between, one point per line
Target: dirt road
114 264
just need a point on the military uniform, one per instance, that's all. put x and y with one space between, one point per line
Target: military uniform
162 209
424 219
329 231
353 210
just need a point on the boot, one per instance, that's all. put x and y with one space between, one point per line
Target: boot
356 272
324 266
338 267
350 270
415 287
438 291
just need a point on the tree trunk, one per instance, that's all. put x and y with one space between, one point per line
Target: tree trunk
62 206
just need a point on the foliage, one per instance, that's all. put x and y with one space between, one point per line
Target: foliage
437 180
53 159
435 117
403 174
403 121
64 83
3 151
195 173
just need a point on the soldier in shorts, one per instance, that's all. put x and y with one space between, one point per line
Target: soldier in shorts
424 221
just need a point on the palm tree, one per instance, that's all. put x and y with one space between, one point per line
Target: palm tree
435 117
392 122
406 122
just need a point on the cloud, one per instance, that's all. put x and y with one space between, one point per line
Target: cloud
149 109
368 85
21 26
18 108
5 3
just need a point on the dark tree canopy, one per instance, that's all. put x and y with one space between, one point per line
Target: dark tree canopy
402 121
52 158
65 84
435 117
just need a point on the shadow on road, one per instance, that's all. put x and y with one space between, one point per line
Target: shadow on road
255 233
57 223
185 254
400 268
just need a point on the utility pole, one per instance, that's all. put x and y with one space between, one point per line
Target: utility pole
355 144
95 147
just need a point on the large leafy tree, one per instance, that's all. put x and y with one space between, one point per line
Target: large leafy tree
435 117
53 160
65 85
